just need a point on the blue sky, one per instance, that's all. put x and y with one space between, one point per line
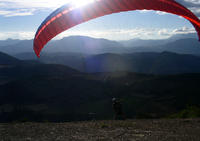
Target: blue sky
19 19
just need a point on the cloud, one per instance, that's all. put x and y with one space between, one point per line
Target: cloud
9 8
161 13
193 5
2 4
145 11
125 34
17 12
32 3
183 30
17 35
112 34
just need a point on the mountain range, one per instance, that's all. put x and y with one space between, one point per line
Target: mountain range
142 56
146 43
148 63
141 62
183 43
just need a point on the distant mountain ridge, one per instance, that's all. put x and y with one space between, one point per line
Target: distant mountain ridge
148 63
19 47
88 54
9 42
183 43
159 42
86 45
181 46
141 62
77 44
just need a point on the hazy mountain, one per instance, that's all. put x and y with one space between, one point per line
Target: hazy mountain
146 43
9 42
152 43
107 63
153 63
73 60
12 68
77 44
8 60
26 56
88 45
181 46
20 47
149 62
183 36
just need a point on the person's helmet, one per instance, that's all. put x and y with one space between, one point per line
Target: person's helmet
114 99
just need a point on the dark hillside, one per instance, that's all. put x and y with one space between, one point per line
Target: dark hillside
37 92
73 97
149 63
8 60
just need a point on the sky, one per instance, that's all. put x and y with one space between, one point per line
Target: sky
20 19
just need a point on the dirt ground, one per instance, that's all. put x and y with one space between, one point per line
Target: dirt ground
129 130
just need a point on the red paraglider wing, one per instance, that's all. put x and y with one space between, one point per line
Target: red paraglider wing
68 16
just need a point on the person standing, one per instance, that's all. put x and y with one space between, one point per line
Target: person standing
117 108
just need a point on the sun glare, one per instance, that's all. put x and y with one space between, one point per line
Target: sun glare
58 3
79 3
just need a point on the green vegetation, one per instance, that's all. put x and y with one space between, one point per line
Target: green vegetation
189 112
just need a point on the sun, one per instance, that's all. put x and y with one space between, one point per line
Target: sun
79 3
57 3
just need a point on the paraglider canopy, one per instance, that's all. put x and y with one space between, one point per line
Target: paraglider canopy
79 11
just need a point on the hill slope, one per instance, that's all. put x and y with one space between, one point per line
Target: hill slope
7 60
74 96
150 63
